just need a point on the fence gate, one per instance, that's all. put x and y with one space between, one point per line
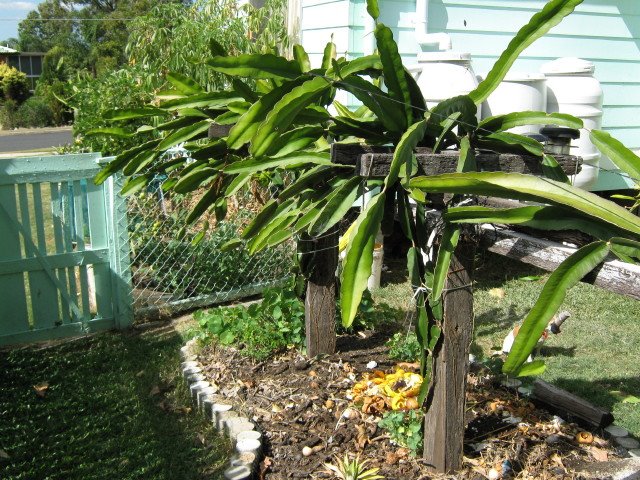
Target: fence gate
64 259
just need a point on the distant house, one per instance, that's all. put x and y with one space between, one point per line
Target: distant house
604 32
30 63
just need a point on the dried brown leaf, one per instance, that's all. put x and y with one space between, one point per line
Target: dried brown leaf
41 389
3 454
599 454
154 391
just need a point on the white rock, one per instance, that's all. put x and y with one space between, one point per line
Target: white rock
493 474
248 445
241 472
190 363
306 451
616 431
372 364
511 383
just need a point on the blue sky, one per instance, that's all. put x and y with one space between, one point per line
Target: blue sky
10 9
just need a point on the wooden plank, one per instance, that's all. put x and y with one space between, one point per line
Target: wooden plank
57 218
83 277
375 161
13 306
44 293
61 331
54 168
99 241
571 404
444 417
320 301
57 261
68 223
613 275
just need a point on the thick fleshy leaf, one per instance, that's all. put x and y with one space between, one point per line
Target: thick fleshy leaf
194 179
270 210
531 369
284 112
388 111
135 184
372 131
244 90
213 149
552 169
357 264
202 100
131 113
183 134
207 200
111 131
403 153
448 243
624 158
527 187
302 58
467 157
625 246
359 65
295 140
216 48
500 123
309 179
539 217
393 69
178 123
511 142
329 55
184 84
372 9
141 161
248 124
417 98
263 66
551 15
294 159
447 125
337 206
121 160
568 273
446 108
282 220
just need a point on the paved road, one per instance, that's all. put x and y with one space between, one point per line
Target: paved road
34 139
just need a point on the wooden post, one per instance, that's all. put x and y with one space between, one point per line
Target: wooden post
444 419
320 302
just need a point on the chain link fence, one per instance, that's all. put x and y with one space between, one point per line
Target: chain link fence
175 267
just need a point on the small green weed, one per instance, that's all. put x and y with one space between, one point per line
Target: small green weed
405 428
404 347
261 329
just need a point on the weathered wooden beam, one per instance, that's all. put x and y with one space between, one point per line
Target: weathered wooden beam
320 301
613 275
375 161
571 404
444 420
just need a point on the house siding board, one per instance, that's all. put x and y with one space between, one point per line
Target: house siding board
605 32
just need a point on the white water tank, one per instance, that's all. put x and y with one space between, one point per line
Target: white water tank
572 89
446 74
518 92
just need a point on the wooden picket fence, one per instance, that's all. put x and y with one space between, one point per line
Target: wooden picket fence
64 249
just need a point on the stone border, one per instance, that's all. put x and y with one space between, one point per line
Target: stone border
246 440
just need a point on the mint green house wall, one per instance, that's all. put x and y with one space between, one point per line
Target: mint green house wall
606 32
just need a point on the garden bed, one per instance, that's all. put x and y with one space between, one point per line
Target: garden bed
300 403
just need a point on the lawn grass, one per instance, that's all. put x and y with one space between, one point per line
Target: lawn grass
598 351
101 416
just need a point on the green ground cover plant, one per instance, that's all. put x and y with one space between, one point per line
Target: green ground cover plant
260 329
109 406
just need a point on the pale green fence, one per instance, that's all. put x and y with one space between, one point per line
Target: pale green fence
64 249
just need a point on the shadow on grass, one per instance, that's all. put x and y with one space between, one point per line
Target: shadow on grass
99 416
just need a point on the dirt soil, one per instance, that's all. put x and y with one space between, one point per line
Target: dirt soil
297 402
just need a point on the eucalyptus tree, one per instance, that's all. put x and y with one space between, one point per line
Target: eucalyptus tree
283 124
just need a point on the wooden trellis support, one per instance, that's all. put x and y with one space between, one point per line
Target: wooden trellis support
445 419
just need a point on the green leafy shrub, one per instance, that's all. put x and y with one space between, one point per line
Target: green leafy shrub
404 428
13 83
404 347
260 329
35 112
8 114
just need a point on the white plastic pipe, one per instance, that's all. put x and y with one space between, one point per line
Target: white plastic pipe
443 40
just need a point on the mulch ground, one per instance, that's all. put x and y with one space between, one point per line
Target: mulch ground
299 402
